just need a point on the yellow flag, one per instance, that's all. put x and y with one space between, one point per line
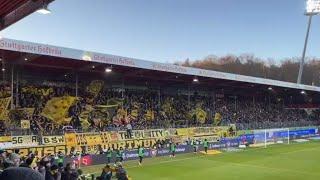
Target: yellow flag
25 124
57 108
149 115
217 118
201 115
4 104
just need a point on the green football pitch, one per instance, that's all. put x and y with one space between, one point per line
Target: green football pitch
293 162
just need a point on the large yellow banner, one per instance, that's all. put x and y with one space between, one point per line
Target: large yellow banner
52 149
185 132
88 139
204 131
71 139
107 137
5 138
145 137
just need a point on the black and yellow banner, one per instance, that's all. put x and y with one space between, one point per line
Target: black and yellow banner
113 139
204 131
24 141
53 140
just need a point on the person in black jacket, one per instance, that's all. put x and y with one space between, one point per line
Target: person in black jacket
69 173
53 173
106 173
20 173
27 163
121 173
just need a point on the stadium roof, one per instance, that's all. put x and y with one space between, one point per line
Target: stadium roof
60 57
12 11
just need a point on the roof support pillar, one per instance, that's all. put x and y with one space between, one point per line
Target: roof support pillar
12 87
122 87
17 89
77 84
159 96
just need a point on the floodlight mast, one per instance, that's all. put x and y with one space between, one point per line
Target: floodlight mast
312 8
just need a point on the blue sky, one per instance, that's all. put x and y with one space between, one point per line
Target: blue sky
171 30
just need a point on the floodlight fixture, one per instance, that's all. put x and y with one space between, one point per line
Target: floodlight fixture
44 9
312 8
108 70
87 57
195 79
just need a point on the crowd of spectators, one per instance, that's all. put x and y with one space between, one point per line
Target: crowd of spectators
14 166
167 109
50 167
255 115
